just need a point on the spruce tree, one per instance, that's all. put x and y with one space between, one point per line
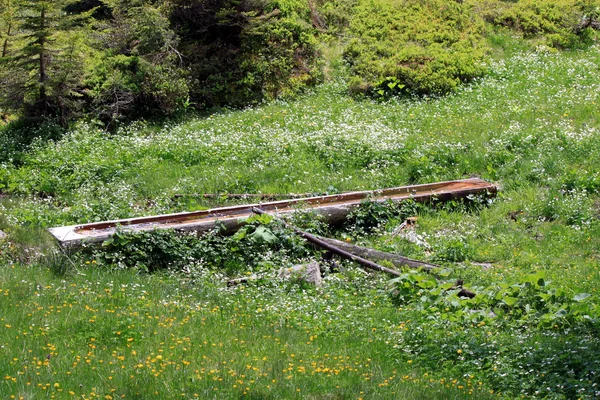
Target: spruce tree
8 24
47 59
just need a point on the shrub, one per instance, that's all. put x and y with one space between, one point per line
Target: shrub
128 87
337 14
563 23
139 73
424 47
261 244
241 52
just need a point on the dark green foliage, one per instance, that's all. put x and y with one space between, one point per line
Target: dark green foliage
18 136
241 52
406 46
117 60
148 251
371 215
99 8
553 333
139 72
255 245
44 67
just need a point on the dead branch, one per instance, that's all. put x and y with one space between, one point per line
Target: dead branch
395 259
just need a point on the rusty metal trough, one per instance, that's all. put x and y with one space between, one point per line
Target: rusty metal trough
334 209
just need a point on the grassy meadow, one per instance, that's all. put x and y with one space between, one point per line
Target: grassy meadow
97 324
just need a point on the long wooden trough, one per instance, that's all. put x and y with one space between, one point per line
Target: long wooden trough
334 209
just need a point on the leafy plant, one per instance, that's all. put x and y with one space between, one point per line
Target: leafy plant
414 46
563 24
530 302
256 245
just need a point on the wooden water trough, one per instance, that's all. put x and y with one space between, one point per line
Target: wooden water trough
334 209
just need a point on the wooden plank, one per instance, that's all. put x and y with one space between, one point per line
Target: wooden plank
396 259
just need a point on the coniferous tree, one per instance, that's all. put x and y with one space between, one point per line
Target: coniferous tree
46 61
11 78
7 24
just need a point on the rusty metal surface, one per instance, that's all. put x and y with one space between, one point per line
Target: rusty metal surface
333 207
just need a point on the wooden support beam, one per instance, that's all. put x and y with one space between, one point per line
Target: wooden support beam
332 248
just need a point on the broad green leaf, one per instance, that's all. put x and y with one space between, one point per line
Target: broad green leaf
561 313
263 234
240 234
445 272
511 301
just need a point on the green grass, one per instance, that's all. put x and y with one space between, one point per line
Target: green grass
531 126
125 335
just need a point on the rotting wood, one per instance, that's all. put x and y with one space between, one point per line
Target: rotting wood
334 249
395 259
243 196
334 209
408 223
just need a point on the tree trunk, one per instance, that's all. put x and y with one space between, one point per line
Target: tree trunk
43 61
8 32
5 44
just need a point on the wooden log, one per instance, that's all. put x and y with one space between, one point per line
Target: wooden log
397 260
334 249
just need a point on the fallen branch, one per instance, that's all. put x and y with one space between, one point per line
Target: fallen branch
397 260
334 249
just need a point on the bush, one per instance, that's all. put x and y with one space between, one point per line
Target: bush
423 47
260 244
241 52
128 87
139 73
563 23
